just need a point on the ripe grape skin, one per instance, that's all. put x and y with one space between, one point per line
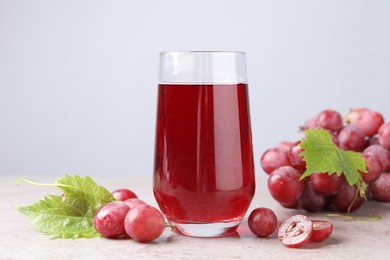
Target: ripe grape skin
108 219
285 145
144 223
330 119
327 184
384 135
262 222
369 121
290 205
351 138
284 184
380 189
345 197
321 230
295 231
295 159
373 166
274 158
131 203
382 154
123 194
311 200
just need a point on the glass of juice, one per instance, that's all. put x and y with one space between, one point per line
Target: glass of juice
204 177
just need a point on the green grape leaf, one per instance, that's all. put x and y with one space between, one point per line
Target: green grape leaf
70 215
323 156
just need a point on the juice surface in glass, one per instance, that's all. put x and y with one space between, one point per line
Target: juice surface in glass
204 170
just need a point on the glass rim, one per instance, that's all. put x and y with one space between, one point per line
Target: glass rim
204 52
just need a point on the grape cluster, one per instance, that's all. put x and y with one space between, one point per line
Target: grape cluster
129 216
363 130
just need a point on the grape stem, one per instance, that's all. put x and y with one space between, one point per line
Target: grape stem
17 182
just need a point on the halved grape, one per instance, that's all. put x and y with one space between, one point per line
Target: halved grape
295 231
321 230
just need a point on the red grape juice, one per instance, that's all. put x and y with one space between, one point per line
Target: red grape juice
204 170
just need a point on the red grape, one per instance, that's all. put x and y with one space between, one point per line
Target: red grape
381 154
351 138
384 135
310 124
284 184
373 166
327 184
310 199
109 219
131 203
329 119
366 120
274 158
296 160
123 194
295 231
380 189
321 230
285 145
144 223
262 222
347 199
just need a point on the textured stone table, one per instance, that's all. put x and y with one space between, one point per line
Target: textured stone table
350 239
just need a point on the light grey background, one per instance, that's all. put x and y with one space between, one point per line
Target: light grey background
78 78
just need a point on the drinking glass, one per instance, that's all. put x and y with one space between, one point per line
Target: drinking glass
203 177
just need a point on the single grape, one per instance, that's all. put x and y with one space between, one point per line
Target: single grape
284 184
382 154
131 203
327 184
262 222
330 119
309 124
123 194
109 219
296 160
384 135
369 121
380 189
351 138
311 200
295 231
274 158
373 166
144 223
321 230
347 199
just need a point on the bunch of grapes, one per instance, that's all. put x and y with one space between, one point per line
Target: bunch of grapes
129 216
363 130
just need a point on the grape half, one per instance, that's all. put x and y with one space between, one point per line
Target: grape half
295 231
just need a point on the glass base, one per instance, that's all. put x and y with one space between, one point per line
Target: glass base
217 229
